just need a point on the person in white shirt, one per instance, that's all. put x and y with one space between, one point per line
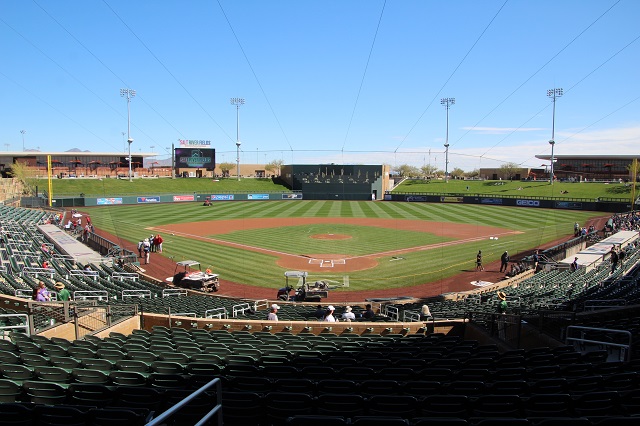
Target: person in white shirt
348 315
328 316
273 315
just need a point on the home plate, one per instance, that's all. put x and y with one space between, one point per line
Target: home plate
481 283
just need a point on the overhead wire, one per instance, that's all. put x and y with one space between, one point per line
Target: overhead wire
255 76
166 69
452 74
90 52
536 72
364 74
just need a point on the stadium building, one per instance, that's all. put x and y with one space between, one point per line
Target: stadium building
591 167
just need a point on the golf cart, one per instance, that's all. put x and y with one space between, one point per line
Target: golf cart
303 293
193 278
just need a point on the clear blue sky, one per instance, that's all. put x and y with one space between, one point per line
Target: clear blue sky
324 81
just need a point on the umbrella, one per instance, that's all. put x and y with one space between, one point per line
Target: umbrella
76 161
77 215
95 162
56 162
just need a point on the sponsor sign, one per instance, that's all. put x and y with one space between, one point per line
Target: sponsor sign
495 201
222 197
528 203
183 198
155 199
194 143
415 198
296 196
149 199
106 201
258 196
451 199
568 205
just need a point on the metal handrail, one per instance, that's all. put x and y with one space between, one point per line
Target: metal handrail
625 348
215 410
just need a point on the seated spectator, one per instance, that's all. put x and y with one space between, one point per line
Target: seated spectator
328 315
273 314
348 315
41 293
368 313
425 313
319 313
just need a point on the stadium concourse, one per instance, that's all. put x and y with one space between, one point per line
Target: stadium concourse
162 267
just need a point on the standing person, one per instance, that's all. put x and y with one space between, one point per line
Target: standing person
536 259
502 305
140 248
479 266
63 293
328 315
504 261
574 265
146 249
151 244
348 315
273 314
614 258
159 242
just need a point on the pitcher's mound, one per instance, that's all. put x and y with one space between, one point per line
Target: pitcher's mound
331 236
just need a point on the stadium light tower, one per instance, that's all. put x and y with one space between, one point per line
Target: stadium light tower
447 102
128 93
237 102
553 94
23 132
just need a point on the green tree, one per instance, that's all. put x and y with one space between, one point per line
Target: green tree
406 170
226 168
457 173
274 166
473 173
428 170
20 172
509 169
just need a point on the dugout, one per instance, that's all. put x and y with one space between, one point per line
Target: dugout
337 181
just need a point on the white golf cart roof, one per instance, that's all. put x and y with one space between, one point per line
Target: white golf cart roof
186 263
295 274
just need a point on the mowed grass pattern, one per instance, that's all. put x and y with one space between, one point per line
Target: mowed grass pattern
299 239
537 226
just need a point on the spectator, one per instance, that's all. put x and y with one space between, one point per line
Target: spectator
502 305
348 315
63 293
140 248
319 313
273 314
328 315
425 313
614 258
574 265
368 313
42 294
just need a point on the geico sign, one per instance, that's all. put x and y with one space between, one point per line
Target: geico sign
528 203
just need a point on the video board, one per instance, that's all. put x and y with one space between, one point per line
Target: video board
195 158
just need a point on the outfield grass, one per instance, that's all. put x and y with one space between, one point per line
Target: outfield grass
537 226
589 190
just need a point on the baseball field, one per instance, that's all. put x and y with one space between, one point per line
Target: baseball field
374 244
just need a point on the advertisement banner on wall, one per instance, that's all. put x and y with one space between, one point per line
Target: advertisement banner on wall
415 198
569 205
528 203
155 199
106 201
222 197
183 198
451 199
296 196
257 196
496 201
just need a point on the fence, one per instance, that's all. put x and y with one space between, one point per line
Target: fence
587 339
555 323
